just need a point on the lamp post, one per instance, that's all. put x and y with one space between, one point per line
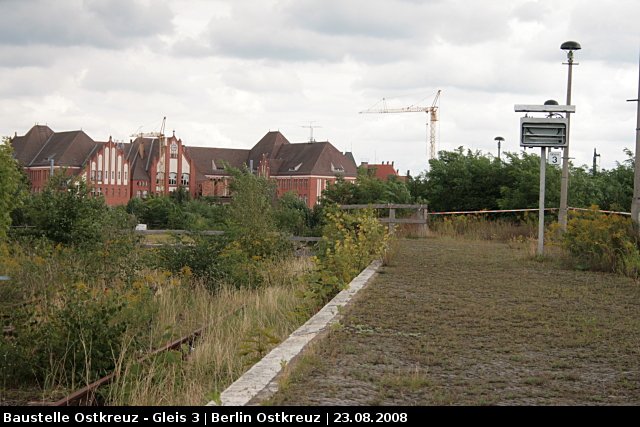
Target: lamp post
499 139
569 46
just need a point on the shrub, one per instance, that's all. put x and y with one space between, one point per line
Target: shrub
602 242
350 241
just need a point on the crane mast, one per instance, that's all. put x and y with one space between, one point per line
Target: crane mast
432 120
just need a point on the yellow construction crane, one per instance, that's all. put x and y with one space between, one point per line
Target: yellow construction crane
159 135
432 119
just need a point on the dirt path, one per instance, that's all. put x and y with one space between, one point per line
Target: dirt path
461 322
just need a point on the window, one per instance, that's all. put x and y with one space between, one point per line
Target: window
174 150
93 175
185 179
113 175
159 177
99 175
173 178
119 175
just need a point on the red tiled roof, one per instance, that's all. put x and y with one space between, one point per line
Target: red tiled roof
382 171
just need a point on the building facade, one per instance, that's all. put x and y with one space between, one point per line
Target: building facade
145 166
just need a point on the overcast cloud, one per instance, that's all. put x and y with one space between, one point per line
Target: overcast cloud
226 72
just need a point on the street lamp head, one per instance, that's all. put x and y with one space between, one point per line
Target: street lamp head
570 45
498 138
551 102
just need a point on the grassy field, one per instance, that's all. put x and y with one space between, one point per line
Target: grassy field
459 322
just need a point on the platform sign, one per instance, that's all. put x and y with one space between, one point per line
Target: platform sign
555 158
543 132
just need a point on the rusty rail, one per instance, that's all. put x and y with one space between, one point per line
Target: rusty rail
86 395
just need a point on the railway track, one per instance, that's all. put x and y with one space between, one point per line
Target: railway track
87 395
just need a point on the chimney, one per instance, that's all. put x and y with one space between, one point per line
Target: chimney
392 163
408 172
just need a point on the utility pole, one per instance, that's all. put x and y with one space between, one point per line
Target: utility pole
635 203
499 139
569 46
595 164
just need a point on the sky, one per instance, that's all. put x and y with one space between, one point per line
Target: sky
225 72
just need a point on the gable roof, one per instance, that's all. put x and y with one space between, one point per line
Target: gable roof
65 148
140 153
206 158
313 158
270 145
27 146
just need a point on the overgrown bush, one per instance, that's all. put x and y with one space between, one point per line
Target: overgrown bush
350 241
68 317
602 242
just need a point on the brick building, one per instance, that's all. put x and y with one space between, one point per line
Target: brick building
144 166
383 171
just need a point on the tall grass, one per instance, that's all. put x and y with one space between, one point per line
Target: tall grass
242 324
479 227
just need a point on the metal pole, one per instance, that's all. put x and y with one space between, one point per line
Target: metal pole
564 183
635 204
498 149
543 164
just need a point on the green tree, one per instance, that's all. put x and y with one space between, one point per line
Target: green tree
65 212
341 192
293 216
520 187
251 218
12 187
464 181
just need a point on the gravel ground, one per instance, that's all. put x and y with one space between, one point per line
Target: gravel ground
455 322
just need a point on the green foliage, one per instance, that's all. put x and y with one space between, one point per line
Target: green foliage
251 238
463 181
71 309
460 180
213 260
12 185
251 219
256 346
177 213
350 241
64 212
366 190
293 216
520 188
603 242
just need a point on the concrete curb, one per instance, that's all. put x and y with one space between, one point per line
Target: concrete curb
260 378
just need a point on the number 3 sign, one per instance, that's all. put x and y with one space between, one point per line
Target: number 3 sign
554 157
